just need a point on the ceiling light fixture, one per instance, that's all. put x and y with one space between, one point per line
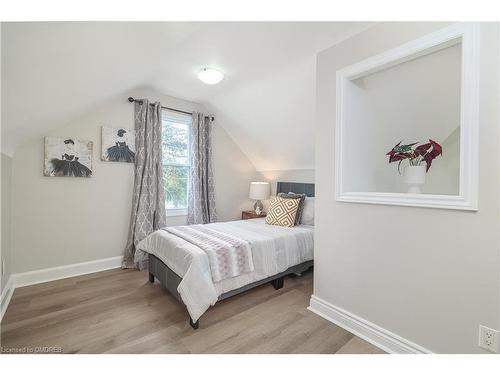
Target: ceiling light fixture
210 76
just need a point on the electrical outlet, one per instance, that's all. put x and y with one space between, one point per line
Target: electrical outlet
488 339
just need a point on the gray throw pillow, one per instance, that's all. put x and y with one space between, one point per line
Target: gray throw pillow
302 198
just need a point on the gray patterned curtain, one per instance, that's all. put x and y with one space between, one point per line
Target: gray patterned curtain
148 202
201 191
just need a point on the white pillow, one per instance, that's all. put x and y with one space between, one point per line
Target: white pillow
308 212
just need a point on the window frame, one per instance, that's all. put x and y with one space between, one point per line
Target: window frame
185 119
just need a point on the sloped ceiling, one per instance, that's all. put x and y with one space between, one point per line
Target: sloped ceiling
53 72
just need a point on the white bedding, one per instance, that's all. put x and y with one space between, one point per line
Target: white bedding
274 249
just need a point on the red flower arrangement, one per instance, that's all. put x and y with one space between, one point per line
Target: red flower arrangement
415 154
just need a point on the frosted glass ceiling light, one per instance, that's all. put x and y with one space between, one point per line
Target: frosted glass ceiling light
210 76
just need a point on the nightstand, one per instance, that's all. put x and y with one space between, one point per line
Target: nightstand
251 215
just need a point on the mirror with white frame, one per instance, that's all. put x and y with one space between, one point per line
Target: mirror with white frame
406 131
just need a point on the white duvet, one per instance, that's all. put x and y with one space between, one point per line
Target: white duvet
274 249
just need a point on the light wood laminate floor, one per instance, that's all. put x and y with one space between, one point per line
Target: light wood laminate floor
119 311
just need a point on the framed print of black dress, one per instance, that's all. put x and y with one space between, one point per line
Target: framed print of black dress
67 157
118 144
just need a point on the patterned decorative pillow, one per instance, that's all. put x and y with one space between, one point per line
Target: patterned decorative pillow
282 211
301 197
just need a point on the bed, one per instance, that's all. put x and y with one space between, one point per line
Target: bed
184 269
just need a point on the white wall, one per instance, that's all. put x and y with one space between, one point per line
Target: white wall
233 173
59 221
432 281
5 201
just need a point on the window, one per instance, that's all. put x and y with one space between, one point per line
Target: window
176 161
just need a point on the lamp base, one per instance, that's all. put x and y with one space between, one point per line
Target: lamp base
258 207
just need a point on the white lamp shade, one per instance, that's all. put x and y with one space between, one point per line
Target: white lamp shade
259 190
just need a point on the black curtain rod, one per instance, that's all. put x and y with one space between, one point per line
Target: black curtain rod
131 100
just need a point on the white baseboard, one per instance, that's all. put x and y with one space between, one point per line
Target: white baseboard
7 292
55 273
368 331
62 272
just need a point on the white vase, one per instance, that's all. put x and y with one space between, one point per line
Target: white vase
414 177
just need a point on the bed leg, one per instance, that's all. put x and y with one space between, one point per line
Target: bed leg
151 278
278 283
195 325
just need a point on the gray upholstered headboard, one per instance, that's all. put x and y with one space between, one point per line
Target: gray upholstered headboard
296 187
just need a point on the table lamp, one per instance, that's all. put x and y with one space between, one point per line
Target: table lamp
258 191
